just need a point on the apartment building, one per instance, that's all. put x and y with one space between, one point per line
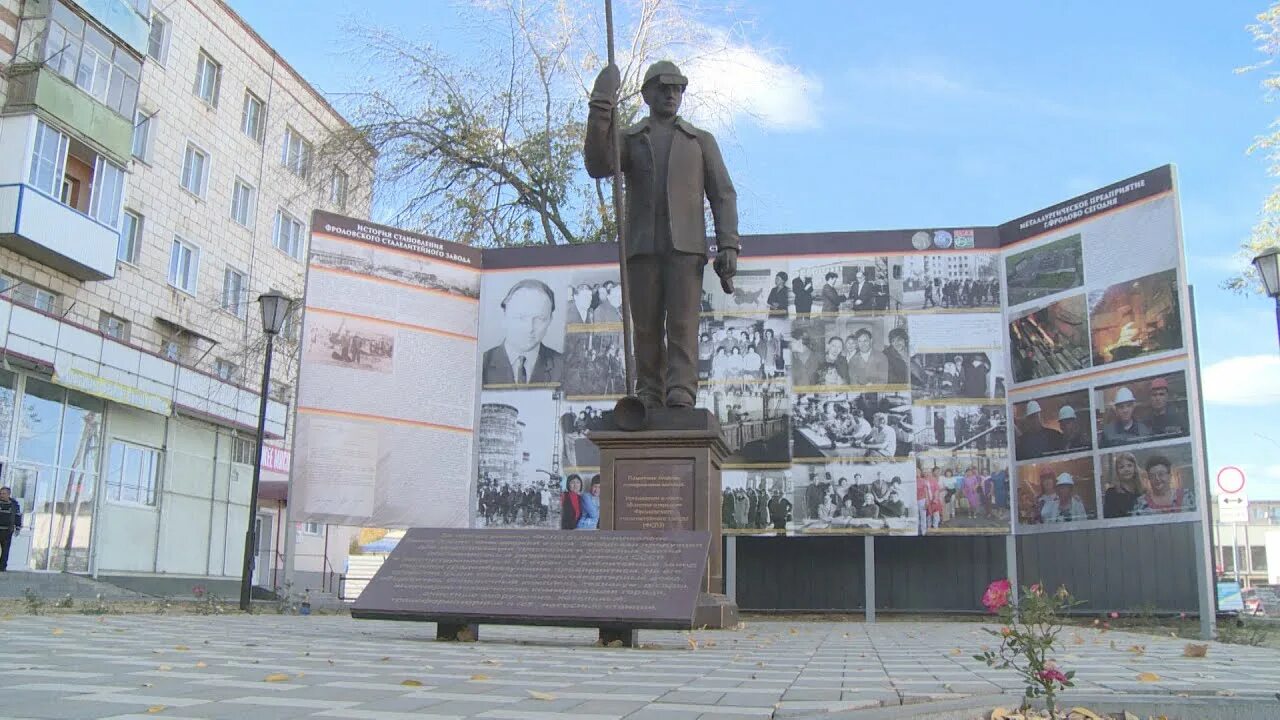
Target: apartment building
1242 550
158 168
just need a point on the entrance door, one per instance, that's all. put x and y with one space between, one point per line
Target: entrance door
23 483
264 564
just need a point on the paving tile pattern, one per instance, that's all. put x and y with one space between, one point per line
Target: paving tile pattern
268 666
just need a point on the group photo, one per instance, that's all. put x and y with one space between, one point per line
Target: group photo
847 286
849 352
743 350
593 297
352 343
958 375
594 365
576 419
517 476
962 493
1057 491
873 425
1148 481
955 281
1135 318
756 501
958 428
855 497
1052 425
1050 340
1142 410
755 421
1045 270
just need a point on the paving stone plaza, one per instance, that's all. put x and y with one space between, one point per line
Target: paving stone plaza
272 666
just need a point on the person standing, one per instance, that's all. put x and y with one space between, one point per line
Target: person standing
571 503
778 299
896 357
590 519
831 297
10 524
802 294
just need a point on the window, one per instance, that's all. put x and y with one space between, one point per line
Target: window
184 265
48 160
242 202
243 450
89 58
106 192
233 292
130 238
225 370
208 77
281 392
132 471
291 325
195 170
25 293
1258 558
296 154
288 234
142 6
142 124
113 326
158 44
338 189
253 117
175 347
312 528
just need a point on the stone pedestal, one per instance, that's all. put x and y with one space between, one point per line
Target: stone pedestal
667 477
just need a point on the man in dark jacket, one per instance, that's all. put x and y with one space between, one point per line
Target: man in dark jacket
670 167
10 524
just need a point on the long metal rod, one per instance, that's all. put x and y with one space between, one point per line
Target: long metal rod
619 220
250 535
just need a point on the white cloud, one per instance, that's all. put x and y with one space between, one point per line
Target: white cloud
738 81
1243 380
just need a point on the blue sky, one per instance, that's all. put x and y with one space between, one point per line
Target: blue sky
939 113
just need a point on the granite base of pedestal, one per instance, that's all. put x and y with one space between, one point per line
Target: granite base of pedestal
667 477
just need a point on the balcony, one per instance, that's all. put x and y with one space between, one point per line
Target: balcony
45 230
123 18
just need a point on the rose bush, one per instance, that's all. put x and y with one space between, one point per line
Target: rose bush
1029 633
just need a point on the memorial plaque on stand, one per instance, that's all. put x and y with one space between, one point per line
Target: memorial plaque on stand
540 577
653 494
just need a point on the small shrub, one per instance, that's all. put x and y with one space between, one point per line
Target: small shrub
1244 631
1029 634
65 602
99 606
35 603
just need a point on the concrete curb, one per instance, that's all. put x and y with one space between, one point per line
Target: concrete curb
1256 707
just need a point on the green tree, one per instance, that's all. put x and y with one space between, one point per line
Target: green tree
1266 233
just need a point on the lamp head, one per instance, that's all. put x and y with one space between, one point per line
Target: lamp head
275 308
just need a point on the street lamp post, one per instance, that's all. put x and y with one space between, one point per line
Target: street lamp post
275 307
1268 266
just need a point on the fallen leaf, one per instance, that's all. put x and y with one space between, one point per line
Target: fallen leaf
181 648
1130 716
411 683
490 662
148 684
1226 693
541 695
957 651
760 664
1084 713
1148 677
202 664
1138 649
331 662
793 631
385 659
615 643
57 631
1194 650
276 677
479 677
155 709
301 675
693 644
165 668
1004 714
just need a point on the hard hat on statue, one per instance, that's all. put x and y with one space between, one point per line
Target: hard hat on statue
666 73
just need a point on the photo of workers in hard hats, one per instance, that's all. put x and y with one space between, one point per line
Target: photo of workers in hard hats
1052 425
1142 410
1055 492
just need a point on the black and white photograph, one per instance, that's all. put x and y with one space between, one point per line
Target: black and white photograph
518 481
574 420
594 366
522 333
955 281
851 285
1050 340
865 426
963 494
1052 425
1044 270
348 342
1136 318
593 298
760 288
855 498
958 375
831 353
1142 409
755 502
743 350
396 266
959 428
755 421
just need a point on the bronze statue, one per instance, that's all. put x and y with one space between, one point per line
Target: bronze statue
670 166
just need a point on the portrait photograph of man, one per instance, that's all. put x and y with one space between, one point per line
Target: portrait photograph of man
523 355
1142 409
1052 425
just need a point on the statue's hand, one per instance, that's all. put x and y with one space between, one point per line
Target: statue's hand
608 81
726 267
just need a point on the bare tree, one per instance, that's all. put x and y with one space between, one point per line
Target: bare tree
486 149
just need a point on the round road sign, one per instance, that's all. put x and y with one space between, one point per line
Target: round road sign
1231 480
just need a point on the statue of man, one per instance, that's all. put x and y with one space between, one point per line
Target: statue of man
670 166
